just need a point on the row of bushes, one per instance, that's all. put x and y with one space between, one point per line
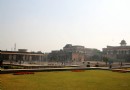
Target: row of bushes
77 70
22 73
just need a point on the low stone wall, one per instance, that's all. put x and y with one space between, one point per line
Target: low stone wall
12 66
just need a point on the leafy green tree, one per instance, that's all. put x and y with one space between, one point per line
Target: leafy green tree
95 57
1 60
105 59
127 58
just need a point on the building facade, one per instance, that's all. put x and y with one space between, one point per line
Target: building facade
68 55
72 54
21 56
118 53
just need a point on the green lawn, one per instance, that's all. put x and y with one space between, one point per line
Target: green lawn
67 80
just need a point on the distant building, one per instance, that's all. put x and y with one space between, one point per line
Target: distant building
72 54
21 56
22 50
92 54
69 54
118 53
76 48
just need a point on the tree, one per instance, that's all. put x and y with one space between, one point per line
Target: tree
97 54
105 59
1 60
127 58
95 57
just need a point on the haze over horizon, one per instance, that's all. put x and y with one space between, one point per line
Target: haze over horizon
46 25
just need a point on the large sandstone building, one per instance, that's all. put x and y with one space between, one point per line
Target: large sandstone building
72 54
118 53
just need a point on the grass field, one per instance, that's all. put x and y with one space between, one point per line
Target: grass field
67 80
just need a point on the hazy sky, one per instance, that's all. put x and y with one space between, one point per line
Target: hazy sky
45 25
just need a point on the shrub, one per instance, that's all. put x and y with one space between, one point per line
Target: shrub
88 65
22 73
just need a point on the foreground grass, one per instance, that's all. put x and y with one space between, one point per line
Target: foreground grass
67 80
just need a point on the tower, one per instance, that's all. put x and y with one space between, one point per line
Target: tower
15 47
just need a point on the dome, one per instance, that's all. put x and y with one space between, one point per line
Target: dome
123 43
68 46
